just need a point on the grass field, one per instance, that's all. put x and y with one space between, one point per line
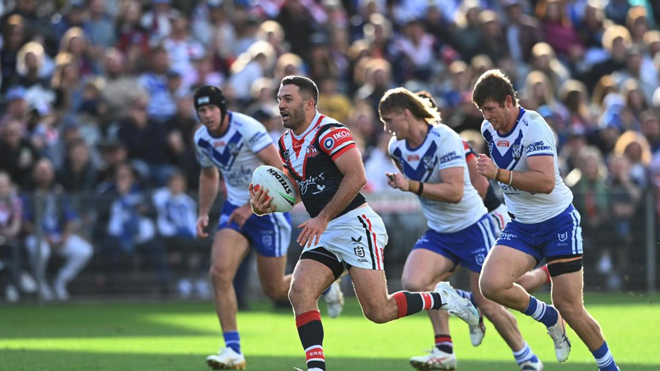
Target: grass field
179 336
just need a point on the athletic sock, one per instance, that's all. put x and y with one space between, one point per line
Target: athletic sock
525 354
415 302
443 342
604 358
542 312
233 341
310 330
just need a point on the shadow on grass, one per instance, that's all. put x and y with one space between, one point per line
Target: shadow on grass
24 360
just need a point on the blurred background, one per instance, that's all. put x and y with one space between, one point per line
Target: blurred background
98 172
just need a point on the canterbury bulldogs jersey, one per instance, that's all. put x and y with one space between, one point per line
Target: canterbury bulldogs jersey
531 136
234 153
309 157
442 149
490 200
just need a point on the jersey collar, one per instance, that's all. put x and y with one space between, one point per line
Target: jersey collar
520 115
231 118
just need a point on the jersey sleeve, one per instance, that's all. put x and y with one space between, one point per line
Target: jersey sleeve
256 136
451 151
203 148
335 140
539 139
469 152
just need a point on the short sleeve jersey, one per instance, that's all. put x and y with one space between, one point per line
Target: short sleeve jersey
310 158
234 153
531 136
442 149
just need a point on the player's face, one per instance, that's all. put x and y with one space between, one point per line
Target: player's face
498 116
396 124
210 116
291 106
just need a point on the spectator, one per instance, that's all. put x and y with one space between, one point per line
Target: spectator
155 82
177 215
58 225
78 173
636 149
616 41
13 38
11 214
377 164
16 108
99 27
73 15
17 155
182 49
157 21
120 89
133 40
332 102
129 233
544 60
67 84
76 46
522 31
558 31
32 74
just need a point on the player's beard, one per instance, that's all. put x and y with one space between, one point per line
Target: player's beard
296 118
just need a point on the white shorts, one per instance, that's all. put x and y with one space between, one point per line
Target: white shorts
500 217
357 238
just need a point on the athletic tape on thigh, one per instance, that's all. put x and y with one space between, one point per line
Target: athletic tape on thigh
558 269
326 258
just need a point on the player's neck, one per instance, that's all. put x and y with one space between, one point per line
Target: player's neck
309 119
512 121
418 132
222 129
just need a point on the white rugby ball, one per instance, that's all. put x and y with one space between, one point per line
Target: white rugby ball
279 187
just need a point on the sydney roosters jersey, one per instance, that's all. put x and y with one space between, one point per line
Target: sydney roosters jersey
310 158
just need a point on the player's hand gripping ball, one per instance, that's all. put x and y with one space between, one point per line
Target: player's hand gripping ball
279 187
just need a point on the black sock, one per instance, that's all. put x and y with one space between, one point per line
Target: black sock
443 342
310 330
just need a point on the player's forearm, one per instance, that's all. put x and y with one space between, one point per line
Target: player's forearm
208 189
528 181
349 187
443 192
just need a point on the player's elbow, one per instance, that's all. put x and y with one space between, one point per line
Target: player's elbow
456 195
360 180
548 186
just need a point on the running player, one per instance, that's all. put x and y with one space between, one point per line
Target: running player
544 223
320 156
442 356
432 159
236 144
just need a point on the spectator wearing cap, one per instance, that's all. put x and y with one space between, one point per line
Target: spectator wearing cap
120 89
16 107
157 21
155 82
73 15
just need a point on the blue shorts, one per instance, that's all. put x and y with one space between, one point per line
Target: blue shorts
560 236
468 247
269 235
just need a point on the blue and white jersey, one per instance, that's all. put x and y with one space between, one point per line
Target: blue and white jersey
234 153
442 149
531 136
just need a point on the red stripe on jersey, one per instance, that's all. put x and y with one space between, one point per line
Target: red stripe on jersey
401 303
470 156
374 238
307 317
466 145
427 300
341 152
315 353
297 144
335 138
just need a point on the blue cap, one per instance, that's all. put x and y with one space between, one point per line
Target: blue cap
14 93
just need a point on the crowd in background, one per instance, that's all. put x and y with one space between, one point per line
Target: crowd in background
97 101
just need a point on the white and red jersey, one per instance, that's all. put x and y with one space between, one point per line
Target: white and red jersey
310 157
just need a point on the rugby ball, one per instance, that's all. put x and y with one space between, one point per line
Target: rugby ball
279 187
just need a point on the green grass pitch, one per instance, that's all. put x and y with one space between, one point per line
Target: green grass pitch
179 336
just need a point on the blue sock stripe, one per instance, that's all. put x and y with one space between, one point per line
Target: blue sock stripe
604 358
524 355
541 312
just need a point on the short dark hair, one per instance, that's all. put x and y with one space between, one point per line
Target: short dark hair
305 86
493 85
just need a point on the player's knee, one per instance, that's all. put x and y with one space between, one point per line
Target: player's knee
273 291
298 294
489 289
570 309
219 276
414 283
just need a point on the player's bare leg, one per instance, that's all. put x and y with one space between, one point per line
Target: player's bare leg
274 283
567 297
502 268
229 249
534 279
310 278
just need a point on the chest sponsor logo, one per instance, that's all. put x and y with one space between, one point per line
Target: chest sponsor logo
503 143
220 143
314 182
412 158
